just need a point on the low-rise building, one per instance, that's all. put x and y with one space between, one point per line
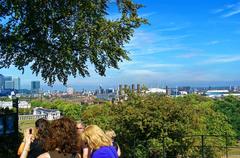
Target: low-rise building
217 93
156 90
51 114
21 104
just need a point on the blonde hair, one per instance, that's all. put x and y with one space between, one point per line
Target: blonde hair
95 137
110 133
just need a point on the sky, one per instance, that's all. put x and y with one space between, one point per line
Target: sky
187 42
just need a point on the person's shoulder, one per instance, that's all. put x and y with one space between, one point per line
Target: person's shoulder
102 152
44 155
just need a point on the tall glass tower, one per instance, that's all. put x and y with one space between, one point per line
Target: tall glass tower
16 83
35 86
2 83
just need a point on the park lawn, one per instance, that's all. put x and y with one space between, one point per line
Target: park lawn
24 124
234 151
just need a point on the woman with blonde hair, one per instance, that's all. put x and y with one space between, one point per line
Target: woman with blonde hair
99 142
112 135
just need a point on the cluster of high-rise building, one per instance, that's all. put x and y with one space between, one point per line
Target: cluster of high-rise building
35 86
9 83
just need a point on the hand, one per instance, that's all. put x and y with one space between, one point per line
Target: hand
28 138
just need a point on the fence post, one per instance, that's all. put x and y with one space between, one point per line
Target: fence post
15 104
202 146
134 146
163 146
226 147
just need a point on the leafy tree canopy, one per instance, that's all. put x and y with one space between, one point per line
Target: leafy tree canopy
143 122
230 106
59 38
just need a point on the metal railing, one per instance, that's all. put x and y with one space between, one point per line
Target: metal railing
31 117
200 146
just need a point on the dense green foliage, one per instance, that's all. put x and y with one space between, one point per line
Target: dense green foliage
230 106
144 122
68 109
59 38
5 99
145 125
25 111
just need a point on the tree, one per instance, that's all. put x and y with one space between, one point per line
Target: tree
59 38
230 106
67 109
145 124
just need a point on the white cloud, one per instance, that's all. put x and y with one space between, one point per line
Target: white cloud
188 55
218 11
172 28
222 59
213 42
162 65
233 12
145 43
142 72
127 64
228 10
146 15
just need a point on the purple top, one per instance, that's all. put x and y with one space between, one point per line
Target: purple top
105 152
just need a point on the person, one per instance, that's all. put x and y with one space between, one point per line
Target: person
37 136
25 146
112 135
62 140
84 150
99 142
80 127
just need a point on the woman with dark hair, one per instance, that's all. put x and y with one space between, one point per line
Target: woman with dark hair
62 140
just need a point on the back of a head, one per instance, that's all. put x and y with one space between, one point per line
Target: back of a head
42 126
42 123
62 135
95 137
110 133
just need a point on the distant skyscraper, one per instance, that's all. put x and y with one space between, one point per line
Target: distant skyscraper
101 90
7 78
70 91
16 83
9 85
109 90
35 86
2 84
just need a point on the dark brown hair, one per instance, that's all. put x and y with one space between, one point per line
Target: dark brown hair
42 126
41 121
62 136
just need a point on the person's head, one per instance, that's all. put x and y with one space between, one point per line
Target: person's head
80 127
95 137
110 133
62 135
41 125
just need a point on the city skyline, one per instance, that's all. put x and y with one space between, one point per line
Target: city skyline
31 85
186 43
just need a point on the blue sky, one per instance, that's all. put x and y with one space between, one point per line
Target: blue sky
188 42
